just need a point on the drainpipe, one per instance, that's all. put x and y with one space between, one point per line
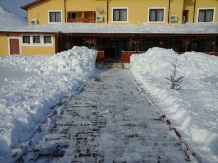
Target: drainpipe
65 11
169 12
107 11
194 11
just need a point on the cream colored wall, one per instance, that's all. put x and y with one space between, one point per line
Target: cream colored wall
207 4
28 50
137 9
4 45
176 8
40 10
80 5
189 5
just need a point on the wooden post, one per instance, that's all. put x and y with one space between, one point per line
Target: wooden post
186 42
89 41
136 42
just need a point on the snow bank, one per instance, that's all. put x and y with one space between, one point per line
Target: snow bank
26 102
193 109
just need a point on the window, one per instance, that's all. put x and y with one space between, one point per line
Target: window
120 14
33 40
54 16
47 39
156 15
36 39
72 15
205 15
26 39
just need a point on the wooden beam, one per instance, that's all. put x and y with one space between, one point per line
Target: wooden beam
89 41
186 42
136 42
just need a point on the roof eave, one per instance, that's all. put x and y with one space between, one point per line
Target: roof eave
25 7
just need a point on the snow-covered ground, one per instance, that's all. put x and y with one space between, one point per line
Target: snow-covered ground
30 86
192 110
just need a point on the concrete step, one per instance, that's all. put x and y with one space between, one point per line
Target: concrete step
102 65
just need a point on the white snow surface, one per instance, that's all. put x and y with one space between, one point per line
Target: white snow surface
196 28
192 110
31 85
8 20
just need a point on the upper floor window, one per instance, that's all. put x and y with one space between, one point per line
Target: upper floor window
156 15
205 15
54 16
120 14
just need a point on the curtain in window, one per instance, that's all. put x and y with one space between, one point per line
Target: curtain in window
209 15
58 17
152 15
116 15
26 39
160 14
36 39
123 15
47 39
201 15
52 16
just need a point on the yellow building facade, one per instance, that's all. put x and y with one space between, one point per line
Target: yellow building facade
123 11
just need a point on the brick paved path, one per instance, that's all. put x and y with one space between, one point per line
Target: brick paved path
110 121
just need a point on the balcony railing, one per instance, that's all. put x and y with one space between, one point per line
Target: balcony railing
81 20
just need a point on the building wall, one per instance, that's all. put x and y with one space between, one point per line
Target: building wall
40 10
26 49
138 10
4 44
207 4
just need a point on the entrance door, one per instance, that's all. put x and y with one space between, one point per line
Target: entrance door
14 46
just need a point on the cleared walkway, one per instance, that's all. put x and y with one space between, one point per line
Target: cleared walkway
110 121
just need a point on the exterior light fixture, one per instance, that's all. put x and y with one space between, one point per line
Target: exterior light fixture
213 43
161 42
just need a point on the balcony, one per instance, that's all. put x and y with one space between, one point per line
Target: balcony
81 20
81 17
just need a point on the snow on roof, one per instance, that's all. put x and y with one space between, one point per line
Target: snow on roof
93 28
9 20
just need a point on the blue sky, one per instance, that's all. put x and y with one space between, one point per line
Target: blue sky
14 6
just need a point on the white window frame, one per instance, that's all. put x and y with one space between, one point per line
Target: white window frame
149 8
214 14
9 44
127 16
49 16
37 44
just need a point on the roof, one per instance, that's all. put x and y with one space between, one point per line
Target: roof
8 19
109 29
25 7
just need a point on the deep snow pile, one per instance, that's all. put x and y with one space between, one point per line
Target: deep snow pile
26 102
8 19
193 110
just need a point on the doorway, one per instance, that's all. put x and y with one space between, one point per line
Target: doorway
14 46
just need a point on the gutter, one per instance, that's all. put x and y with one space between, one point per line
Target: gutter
194 11
65 11
107 11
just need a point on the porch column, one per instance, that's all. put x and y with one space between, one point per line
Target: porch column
186 42
136 42
83 14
